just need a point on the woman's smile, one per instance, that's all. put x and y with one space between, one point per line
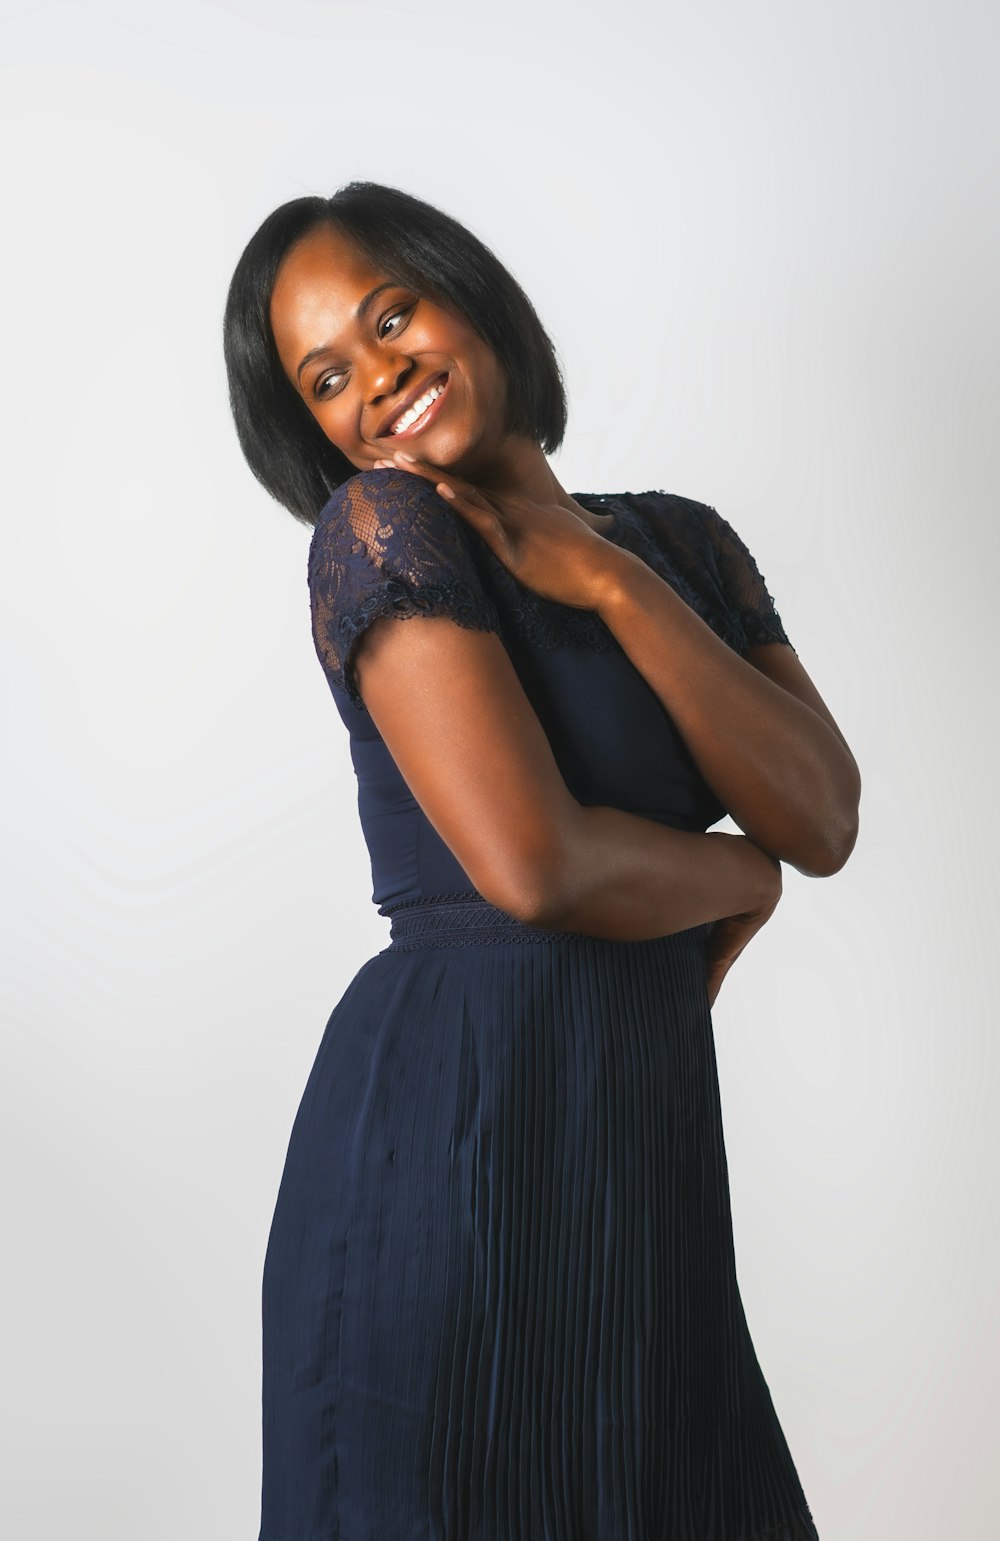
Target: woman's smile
420 412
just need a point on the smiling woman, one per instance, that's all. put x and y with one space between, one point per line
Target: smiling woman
361 354
500 1299
302 349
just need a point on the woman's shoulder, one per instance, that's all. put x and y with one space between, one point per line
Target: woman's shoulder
702 555
373 506
691 530
386 543
388 522
672 514
707 544
678 526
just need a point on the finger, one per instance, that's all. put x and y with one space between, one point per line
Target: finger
464 495
401 461
454 489
408 462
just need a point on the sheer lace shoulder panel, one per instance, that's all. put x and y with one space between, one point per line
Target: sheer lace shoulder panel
719 567
387 544
742 579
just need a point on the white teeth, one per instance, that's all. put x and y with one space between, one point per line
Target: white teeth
418 409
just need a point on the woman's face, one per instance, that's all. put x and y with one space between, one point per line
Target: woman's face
360 348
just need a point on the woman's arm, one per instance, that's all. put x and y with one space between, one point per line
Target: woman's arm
454 716
767 746
757 728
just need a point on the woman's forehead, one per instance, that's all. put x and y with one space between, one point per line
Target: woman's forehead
322 263
319 285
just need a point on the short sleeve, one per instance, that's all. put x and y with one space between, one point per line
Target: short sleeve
386 543
743 587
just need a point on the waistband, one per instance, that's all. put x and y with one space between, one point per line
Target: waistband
469 920
461 920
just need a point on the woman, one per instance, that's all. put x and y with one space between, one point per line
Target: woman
499 1296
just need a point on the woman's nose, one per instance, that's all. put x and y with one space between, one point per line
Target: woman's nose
385 374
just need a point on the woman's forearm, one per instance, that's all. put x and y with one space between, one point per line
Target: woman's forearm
785 777
625 877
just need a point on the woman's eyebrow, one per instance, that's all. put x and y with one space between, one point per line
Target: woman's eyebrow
359 315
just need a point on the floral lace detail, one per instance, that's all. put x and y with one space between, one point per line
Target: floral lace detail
660 539
745 587
387 544
717 566
530 617
643 526
702 558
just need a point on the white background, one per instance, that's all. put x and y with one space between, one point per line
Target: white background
764 238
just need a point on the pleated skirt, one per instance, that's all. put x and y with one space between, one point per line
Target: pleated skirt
499 1294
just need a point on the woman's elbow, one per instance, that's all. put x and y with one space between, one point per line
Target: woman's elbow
531 882
833 828
831 849
530 895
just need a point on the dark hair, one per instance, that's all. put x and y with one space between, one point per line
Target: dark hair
416 245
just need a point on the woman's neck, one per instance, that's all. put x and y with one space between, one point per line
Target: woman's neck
518 467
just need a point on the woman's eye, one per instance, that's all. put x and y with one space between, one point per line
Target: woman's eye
393 315
320 388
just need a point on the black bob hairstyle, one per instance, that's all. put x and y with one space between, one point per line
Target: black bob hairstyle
417 246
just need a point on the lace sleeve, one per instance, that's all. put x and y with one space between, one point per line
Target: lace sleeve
744 587
387 544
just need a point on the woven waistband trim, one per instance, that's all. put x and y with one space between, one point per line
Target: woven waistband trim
468 920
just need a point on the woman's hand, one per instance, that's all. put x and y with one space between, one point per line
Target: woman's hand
730 935
545 546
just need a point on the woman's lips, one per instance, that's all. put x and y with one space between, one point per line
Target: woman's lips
427 417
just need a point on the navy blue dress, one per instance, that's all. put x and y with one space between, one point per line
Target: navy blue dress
500 1300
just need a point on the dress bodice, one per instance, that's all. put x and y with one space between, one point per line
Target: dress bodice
387 543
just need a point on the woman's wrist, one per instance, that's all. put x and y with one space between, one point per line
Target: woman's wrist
614 572
760 872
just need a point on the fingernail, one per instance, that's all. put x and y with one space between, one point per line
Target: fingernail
401 454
